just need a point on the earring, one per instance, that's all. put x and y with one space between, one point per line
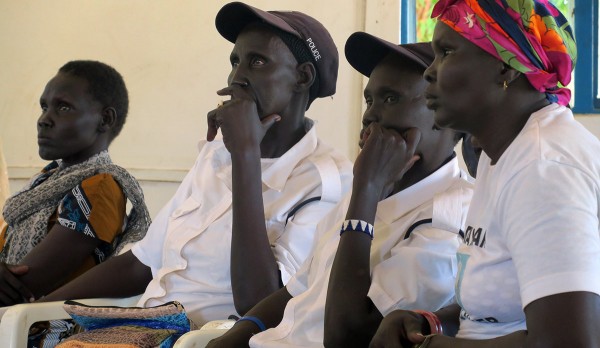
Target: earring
505 85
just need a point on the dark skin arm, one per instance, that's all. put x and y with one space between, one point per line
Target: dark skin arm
269 311
119 276
48 265
562 320
254 271
351 319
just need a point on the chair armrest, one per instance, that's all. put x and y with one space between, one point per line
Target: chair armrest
198 338
16 320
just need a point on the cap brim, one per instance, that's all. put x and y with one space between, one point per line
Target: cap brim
364 51
235 16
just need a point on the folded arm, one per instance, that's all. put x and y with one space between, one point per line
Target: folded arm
52 262
563 320
120 276
351 318
254 271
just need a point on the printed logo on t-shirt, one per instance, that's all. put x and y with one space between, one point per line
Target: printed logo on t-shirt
465 316
475 236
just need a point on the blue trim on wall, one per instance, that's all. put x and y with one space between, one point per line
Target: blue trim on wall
586 69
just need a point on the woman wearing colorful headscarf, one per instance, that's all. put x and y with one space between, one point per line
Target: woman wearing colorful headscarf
529 269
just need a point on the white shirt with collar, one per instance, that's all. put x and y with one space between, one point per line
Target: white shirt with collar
188 244
413 257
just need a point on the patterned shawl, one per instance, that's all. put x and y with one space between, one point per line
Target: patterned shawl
531 36
28 211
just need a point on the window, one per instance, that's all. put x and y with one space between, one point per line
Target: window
417 26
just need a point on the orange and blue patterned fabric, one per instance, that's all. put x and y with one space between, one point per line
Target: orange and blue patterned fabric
96 207
127 327
531 36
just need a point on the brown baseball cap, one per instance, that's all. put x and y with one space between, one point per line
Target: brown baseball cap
233 18
364 51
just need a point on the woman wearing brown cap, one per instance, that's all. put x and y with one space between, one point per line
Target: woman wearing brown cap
398 239
244 218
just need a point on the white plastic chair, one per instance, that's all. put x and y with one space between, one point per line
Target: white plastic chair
16 320
200 338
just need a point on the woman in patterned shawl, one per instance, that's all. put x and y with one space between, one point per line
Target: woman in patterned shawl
72 215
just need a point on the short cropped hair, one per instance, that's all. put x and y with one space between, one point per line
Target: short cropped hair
302 55
105 85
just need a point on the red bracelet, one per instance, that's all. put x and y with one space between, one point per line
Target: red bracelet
435 325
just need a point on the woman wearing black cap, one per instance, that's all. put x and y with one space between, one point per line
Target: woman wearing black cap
398 238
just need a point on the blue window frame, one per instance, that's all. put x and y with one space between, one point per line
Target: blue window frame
408 21
587 98
586 83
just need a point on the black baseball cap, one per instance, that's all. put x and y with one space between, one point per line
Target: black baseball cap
364 51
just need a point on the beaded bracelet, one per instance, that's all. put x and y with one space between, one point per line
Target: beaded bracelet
357 226
255 320
435 325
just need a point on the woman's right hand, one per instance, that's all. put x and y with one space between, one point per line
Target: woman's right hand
400 329
12 290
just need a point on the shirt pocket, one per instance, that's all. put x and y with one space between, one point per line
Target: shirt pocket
188 206
186 218
180 230
192 218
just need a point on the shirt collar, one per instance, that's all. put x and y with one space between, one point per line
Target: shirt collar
394 207
277 174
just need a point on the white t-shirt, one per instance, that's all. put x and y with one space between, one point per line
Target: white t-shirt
408 271
532 230
188 244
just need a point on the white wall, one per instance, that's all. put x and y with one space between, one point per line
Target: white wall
173 60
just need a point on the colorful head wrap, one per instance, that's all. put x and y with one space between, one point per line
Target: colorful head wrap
531 36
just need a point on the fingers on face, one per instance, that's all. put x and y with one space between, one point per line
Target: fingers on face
213 119
234 92
412 137
213 125
270 120
374 128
